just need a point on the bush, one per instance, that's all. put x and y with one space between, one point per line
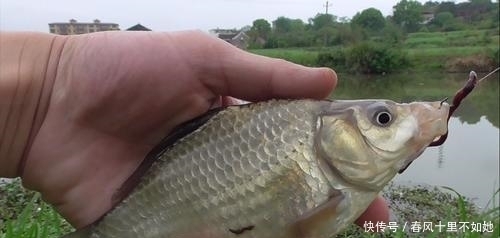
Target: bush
335 59
366 58
375 58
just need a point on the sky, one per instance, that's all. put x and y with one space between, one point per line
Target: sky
173 15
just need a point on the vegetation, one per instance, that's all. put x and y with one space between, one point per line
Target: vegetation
304 56
29 217
458 37
366 57
457 51
409 16
23 214
370 19
412 206
446 36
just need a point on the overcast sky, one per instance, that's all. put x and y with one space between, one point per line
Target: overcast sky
171 15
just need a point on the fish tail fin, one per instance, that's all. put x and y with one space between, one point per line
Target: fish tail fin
85 232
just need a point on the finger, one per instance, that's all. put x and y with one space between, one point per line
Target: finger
378 211
251 77
275 78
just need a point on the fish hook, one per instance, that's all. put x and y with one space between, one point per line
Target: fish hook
459 96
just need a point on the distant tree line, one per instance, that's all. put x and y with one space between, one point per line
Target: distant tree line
370 42
408 16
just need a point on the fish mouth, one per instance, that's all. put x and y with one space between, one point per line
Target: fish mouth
432 123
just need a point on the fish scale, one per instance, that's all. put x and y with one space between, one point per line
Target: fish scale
207 158
275 169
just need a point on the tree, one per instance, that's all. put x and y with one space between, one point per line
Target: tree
261 28
408 15
370 19
324 26
259 33
478 7
297 25
322 21
443 20
288 32
392 34
447 7
430 5
348 34
282 25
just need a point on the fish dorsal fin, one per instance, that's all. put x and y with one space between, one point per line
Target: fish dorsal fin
177 133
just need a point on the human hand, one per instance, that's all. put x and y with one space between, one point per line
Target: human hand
117 94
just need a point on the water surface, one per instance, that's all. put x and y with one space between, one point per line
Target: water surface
469 160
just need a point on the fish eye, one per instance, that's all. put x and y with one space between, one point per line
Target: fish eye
383 118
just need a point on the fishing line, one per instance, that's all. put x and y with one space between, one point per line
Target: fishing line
488 75
459 96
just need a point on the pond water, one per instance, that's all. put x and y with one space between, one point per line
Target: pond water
469 160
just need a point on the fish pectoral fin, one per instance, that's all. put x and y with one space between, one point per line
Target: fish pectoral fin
317 222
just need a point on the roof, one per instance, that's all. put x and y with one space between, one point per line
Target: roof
74 22
227 36
224 31
82 23
138 27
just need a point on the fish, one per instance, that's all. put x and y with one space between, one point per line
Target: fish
279 168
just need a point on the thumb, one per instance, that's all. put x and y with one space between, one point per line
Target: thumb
229 71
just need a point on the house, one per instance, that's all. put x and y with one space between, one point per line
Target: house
235 37
427 16
74 28
138 27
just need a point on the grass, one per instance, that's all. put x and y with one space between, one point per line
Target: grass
296 55
488 38
452 51
412 206
29 217
23 214
423 59
426 51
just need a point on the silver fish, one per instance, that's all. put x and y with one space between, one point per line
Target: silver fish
300 168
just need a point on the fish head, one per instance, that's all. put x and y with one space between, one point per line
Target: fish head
367 142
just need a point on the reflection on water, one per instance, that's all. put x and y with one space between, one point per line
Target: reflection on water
469 159
440 156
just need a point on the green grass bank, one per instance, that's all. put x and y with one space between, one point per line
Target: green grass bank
24 215
456 51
